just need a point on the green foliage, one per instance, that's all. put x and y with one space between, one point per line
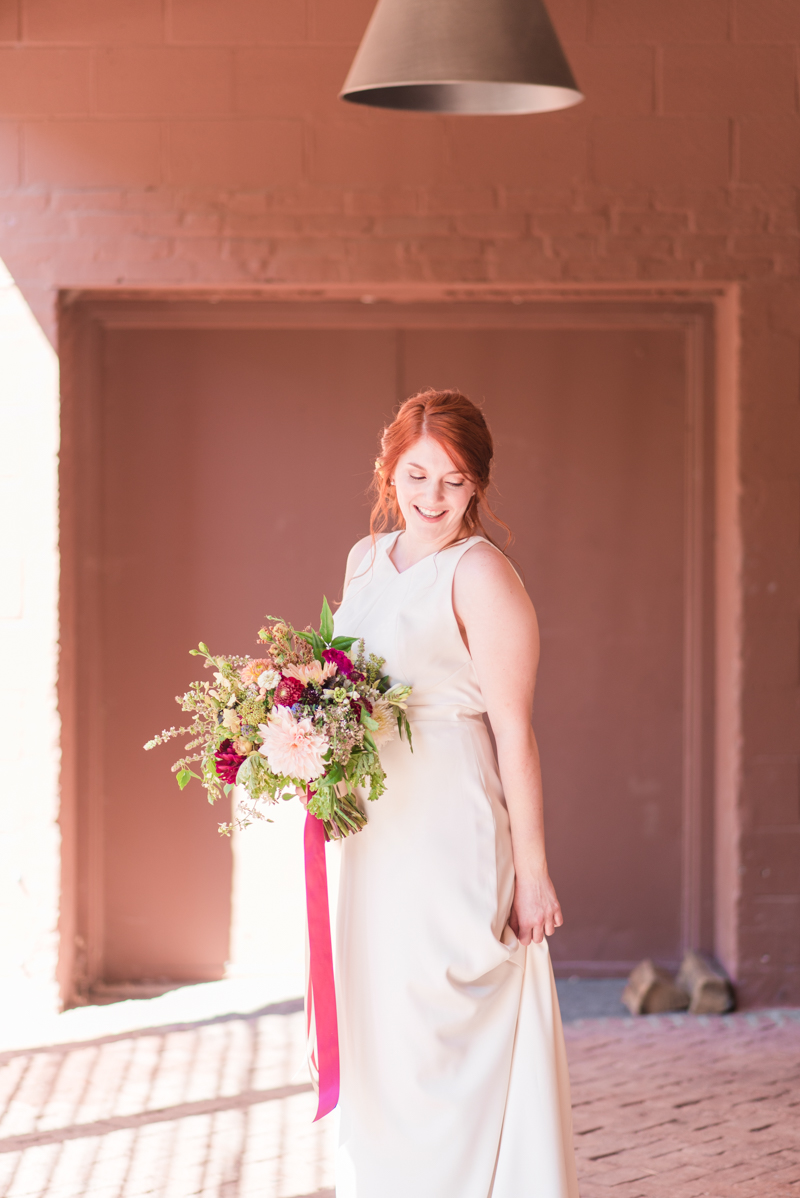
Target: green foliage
373 668
404 726
367 720
326 622
343 642
258 780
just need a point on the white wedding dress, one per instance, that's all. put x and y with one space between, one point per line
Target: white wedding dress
454 1078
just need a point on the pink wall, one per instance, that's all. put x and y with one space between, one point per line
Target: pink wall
200 142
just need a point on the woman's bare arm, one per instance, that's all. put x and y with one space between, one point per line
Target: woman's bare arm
503 637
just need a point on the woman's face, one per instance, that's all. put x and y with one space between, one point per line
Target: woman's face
432 493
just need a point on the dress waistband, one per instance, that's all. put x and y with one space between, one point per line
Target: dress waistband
443 712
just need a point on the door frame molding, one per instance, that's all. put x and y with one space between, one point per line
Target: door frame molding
708 314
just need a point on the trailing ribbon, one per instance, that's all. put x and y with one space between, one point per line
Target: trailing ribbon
321 1023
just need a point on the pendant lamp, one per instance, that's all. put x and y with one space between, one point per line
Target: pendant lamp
461 56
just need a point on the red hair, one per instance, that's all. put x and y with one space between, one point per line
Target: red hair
454 421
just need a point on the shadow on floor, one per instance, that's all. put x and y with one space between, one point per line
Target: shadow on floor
590 998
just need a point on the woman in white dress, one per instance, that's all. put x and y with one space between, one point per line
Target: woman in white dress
454 1078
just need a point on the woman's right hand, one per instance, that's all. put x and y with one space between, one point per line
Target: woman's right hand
536 911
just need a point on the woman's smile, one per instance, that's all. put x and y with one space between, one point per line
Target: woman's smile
430 514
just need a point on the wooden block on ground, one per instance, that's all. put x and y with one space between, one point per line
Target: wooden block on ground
651 991
711 991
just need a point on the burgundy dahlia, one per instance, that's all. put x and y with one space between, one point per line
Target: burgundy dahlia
288 692
228 762
357 704
342 662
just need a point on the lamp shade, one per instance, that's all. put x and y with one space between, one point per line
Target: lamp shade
461 56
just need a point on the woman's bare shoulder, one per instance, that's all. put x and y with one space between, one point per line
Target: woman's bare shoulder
359 550
484 564
488 592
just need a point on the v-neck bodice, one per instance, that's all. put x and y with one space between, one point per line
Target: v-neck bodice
407 617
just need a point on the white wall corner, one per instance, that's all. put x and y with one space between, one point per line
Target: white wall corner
29 723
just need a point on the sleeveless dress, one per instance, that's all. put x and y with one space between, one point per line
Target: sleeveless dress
454 1078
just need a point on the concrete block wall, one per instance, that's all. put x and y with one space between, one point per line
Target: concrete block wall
200 142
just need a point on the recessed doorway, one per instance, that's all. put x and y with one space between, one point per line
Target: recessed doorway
217 457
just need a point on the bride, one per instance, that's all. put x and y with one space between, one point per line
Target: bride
454 1077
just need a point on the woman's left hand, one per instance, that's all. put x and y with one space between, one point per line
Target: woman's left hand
535 912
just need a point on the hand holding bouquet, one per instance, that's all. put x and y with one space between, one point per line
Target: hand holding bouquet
308 713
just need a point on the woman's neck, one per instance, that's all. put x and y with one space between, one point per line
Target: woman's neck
408 549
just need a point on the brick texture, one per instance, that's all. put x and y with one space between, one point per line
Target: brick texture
39 81
9 22
677 1108
680 21
360 149
291 80
92 153
769 151
730 80
92 21
766 20
658 151
259 153
236 22
619 80
662 1108
339 23
183 81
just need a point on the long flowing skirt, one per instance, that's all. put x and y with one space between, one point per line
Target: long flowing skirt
454 1073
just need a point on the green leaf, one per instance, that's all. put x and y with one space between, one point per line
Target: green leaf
408 731
343 642
183 777
367 720
369 742
326 622
404 726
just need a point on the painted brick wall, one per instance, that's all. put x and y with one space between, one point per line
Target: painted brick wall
201 142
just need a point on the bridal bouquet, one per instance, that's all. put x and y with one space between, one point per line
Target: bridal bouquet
309 713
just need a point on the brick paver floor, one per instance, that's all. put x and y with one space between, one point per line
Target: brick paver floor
682 1106
665 1107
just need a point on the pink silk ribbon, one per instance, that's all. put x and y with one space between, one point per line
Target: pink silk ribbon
321 991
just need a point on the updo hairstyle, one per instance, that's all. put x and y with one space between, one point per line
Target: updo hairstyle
455 422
